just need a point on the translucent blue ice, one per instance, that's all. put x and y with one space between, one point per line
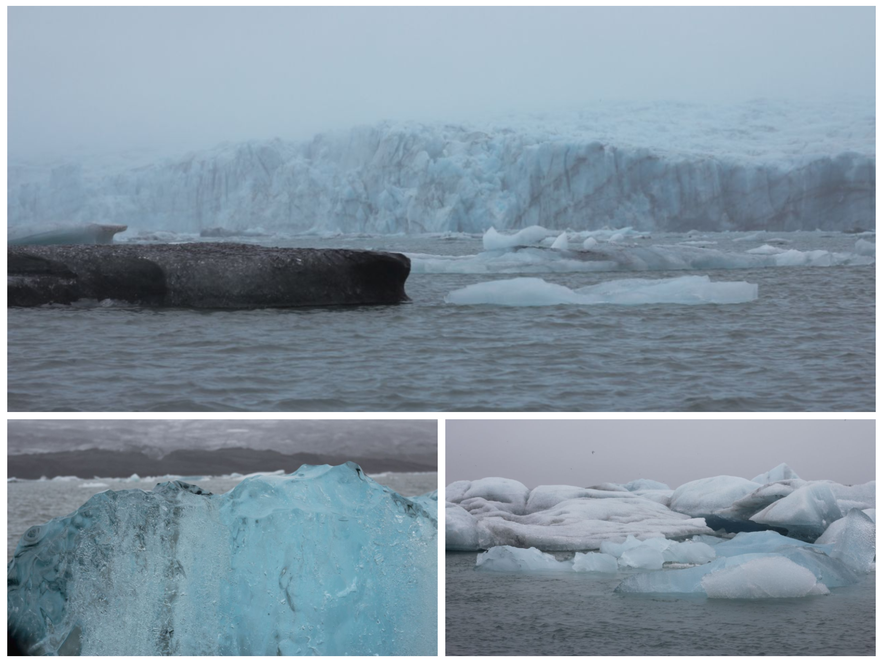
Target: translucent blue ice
323 561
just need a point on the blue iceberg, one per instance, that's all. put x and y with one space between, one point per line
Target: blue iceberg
322 561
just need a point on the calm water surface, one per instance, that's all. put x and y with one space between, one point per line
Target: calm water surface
807 343
579 614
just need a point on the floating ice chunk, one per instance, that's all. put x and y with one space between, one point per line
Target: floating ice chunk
694 553
461 529
685 290
756 542
709 496
594 562
744 508
455 491
589 243
531 236
513 559
642 556
864 247
615 549
489 495
582 524
805 513
544 497
134 478
645 484
560 244
854 540
324 561
766 249
854 496
771 577
781 472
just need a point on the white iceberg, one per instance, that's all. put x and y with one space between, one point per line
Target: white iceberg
770 577
684 290
805 513
512 559
709 496
595 562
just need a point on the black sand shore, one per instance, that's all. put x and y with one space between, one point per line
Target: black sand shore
117 464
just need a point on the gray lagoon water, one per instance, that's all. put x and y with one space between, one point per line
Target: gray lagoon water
806 343
489 613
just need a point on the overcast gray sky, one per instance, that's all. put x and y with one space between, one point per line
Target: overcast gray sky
674 452
113 78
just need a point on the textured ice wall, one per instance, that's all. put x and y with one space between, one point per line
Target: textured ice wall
324 561
663 166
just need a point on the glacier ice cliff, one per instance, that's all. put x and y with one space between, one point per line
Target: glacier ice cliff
322 561
663 166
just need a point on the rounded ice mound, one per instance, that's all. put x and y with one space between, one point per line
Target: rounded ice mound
695 553
594 562
770 577
645 484
643 556
709 496
855 540
531 236
493 494
781 472
805 513
513 559
461 530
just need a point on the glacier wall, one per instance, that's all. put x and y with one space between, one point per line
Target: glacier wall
673 167
323 561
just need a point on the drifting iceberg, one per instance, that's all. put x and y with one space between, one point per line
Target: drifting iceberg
854 540
620 256
769 577
559 517
512 559
709 496
805 513
781 472
594 562
322 561
686 290
461 530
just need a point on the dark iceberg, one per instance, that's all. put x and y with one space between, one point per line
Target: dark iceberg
205 275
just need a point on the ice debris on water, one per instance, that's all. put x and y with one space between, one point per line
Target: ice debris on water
685 290
322 561
636 530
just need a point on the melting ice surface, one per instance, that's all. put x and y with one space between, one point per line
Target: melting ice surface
651 533
322 561
687 290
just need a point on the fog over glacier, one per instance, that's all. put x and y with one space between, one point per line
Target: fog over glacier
442 120
673 452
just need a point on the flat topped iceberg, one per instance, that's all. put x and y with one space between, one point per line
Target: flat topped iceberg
685 290
322 561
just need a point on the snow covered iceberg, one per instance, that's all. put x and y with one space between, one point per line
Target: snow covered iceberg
322 561
495 512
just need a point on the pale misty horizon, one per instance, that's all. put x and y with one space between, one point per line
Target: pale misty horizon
114 79
586 453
